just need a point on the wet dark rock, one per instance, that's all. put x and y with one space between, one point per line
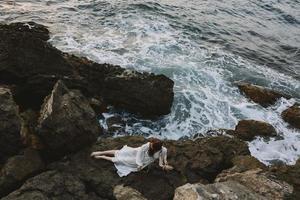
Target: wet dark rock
98 106
53 185
28 133
197 160
18 168
204 158
115 124
10 125
260 95
28 61
249 129
67 122
292 116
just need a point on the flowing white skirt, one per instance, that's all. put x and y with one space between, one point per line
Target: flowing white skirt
125 160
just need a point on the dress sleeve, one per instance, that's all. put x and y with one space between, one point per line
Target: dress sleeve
141 154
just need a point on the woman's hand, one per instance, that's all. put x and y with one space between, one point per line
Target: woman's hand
139 168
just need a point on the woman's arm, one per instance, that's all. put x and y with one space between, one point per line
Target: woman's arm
163 158
161 162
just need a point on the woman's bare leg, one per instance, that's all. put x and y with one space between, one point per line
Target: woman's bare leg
99 153
104 158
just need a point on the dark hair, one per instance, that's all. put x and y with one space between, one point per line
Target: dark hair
156 146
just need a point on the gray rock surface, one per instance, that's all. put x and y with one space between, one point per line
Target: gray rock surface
261 182
229 190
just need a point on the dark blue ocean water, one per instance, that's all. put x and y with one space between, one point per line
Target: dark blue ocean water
204 46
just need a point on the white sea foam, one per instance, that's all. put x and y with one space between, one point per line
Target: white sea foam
205 94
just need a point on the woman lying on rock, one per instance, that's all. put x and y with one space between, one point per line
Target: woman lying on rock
129 159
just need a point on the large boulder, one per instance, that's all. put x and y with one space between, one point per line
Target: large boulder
10 125
221 191
53 185
67 122
261 182
34 66
260 95
194 161
249 129
18 168
247 179
292 115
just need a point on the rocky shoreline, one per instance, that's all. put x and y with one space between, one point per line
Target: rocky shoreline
49 104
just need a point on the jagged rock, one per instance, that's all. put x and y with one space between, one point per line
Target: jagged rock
67 122
290 174
292 115
115 124
10 140
193 161
249 129
28 61
260 182
127 193
260 95
53 185
221 191
17 169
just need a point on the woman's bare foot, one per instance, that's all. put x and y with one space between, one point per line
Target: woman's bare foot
97 153
92 154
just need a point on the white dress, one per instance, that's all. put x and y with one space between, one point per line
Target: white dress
128 159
